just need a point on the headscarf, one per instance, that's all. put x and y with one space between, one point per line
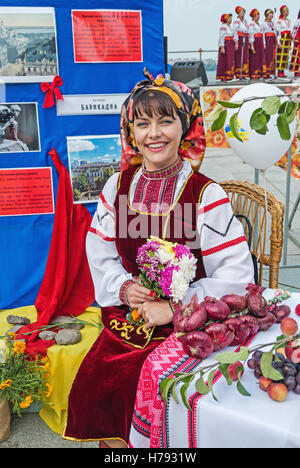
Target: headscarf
281 10
254 12
193 142
239 9
225 17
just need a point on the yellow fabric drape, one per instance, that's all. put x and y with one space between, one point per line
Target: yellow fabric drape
64 360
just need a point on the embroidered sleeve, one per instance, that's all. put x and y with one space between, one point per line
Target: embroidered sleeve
106 267
252 31
295 28
222 35
236 27
226 257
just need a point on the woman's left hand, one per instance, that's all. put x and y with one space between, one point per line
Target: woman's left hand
155 313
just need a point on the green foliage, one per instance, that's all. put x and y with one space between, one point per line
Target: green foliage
286 113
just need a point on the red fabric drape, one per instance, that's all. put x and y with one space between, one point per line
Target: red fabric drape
67 287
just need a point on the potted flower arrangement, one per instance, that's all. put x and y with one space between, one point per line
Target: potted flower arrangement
22 381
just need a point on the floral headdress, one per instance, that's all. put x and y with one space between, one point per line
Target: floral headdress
193 143
254 12
282 8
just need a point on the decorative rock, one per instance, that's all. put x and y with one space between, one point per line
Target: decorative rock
68 336
68 322
17 320
47 335
14 329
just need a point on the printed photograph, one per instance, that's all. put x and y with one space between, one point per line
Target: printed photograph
92 160
19 128
28 50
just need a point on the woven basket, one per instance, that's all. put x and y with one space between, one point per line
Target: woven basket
267 234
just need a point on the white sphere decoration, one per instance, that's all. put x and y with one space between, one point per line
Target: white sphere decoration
259 151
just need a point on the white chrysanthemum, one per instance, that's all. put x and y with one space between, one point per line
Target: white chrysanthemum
179 285
188 267
164 255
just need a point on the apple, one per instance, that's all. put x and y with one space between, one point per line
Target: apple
292 351
277 391
234 372
289 326
264 383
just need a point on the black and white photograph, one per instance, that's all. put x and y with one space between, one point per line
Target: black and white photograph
28 49
92 160
19 127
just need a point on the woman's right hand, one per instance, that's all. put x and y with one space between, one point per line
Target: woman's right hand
137 295
222 50
252 49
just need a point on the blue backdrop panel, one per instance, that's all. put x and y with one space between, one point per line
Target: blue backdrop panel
25 240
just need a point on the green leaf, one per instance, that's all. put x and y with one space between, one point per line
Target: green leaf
165 387
240 387
224 369
183 390
214 114
267 369
219 122
201 386
283 127
173 392
231 104
209 383
258 119
234 127
263 130
287 107
271 104
229 357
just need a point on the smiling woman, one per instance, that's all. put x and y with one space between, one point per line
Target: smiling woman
161 121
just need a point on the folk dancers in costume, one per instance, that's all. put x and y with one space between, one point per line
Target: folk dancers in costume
270 36
241 39
162 121
225 68
257 61
284 41
295 61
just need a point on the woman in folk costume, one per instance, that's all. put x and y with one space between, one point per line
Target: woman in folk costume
284 39
257 60
241 39
225 68
162 121
295 61
270 36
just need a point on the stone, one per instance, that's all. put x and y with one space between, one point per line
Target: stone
17 320
47 335
68 322
68 336
14 329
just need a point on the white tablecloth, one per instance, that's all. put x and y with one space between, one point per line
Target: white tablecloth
237 421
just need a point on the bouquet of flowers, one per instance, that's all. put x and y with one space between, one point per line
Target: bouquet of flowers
166 269
22 380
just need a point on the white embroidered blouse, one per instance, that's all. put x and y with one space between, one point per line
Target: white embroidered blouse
225 31
226 257
255 28
240 26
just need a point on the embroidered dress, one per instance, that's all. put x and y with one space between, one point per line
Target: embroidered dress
225 68
102 397
257 60
270 37
284 40
241 35
295 61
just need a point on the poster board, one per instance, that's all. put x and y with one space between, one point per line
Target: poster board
25 238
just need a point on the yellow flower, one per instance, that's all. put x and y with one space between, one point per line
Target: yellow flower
135 315
159 81
7 383
26 403
19 347
50 389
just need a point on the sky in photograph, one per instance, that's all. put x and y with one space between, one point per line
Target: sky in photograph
191 24
16 19
93 149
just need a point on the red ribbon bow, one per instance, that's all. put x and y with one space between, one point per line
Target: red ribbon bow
52 90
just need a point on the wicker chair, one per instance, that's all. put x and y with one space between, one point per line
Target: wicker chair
249 200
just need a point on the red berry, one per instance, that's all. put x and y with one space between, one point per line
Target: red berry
297 310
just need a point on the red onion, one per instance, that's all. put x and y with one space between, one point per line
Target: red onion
280 312
266 322
256 303
197 344
251 322
235 303
216 310
240 329
221 335
189 317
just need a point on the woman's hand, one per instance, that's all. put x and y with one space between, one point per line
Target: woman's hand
236 45
155 313
222 50
252 49
137 295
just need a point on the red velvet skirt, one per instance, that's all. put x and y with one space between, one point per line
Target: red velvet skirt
102 396
257 61
270 53
225 68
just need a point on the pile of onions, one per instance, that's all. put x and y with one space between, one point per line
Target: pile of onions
231 320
